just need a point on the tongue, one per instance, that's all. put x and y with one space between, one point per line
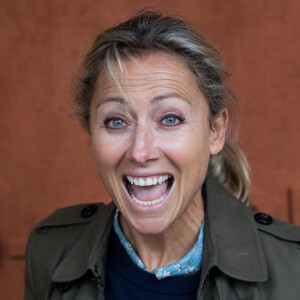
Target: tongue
149 193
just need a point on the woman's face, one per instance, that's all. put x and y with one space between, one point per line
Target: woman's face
152 142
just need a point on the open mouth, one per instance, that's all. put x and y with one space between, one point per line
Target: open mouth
149 190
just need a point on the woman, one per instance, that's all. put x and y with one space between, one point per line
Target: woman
153 101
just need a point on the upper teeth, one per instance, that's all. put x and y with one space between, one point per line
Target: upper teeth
147 181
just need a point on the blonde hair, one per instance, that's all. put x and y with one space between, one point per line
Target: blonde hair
150 32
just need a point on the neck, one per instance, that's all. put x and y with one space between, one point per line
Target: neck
173 243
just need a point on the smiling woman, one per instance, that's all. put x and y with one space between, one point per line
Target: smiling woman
161 129
153 101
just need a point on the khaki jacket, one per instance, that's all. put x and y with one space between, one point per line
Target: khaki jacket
246 255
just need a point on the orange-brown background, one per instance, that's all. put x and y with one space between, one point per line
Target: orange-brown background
44 157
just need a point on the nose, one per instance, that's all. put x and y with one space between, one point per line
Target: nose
143 146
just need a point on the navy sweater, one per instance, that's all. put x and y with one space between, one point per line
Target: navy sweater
125 280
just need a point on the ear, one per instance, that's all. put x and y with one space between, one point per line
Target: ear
218 132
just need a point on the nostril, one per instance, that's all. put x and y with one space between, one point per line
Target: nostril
139 154
142 155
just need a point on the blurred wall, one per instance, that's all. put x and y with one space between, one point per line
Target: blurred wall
44 156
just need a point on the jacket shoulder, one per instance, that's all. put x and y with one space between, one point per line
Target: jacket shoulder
276 227
72 215
56 245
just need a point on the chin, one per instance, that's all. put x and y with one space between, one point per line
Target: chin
151 227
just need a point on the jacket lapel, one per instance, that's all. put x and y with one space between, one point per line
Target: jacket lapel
231 239
90 249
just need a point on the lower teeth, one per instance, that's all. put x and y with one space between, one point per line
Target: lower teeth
147 202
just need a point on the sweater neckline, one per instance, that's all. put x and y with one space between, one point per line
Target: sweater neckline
120 260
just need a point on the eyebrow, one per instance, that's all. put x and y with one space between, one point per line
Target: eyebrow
153 100
168 95
112 99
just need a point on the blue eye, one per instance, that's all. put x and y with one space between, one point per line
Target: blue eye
117 123
114 123
171 120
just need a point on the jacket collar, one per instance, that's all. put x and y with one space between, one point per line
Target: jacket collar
231 239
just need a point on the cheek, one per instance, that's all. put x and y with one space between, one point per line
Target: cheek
188 148
107 157
107 152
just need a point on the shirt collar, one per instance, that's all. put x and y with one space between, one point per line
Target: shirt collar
189 264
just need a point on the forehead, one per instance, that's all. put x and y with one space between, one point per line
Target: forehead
150 73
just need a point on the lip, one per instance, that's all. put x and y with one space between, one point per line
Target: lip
137 174
147 208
